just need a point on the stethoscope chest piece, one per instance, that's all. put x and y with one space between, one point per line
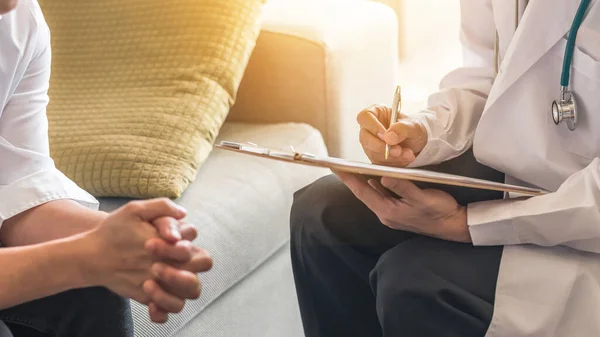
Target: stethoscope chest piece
565 109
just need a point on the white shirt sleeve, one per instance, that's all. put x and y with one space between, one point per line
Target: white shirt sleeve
28 176
455 110
569 217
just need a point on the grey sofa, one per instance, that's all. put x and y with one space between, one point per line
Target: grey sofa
312 70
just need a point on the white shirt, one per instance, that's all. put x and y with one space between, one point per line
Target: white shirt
28 177
549 281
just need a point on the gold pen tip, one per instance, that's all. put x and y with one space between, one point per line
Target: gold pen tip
398 89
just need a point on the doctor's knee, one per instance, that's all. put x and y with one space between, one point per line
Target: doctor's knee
320 205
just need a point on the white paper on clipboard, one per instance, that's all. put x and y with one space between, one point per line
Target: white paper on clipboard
344 165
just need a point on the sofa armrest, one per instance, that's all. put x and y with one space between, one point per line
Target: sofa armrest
320 62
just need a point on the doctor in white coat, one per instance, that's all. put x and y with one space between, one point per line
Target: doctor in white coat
423 260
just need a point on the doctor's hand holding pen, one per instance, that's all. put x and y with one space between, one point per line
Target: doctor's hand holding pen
406 137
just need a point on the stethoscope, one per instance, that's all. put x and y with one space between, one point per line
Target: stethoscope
564 108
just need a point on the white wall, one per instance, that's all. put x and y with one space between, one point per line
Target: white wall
430 46
428 22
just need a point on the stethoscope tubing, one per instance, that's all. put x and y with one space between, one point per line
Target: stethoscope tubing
577 21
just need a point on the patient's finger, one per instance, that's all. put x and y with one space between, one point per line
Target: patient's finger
168 228
186 284
163 300
201 261
188 231
181 251
157 315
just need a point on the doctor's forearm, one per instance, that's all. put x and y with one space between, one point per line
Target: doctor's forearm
53 220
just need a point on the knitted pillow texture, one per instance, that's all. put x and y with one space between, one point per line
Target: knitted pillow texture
140 88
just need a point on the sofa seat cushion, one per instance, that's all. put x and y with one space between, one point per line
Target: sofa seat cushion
240 205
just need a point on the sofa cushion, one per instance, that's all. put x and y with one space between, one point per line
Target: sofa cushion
264 304
240 205
140 88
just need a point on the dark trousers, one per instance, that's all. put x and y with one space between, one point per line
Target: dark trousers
89 312
356 277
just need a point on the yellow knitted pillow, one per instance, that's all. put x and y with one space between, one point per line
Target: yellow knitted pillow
140 88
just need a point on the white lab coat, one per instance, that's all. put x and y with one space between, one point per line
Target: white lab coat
549 281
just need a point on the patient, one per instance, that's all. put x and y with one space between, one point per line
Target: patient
68 269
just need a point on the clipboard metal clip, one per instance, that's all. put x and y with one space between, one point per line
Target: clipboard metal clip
301 156
243 147
254 148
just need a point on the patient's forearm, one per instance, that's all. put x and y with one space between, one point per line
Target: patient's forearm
50 221
37 271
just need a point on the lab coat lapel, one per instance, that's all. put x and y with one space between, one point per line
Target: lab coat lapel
532 40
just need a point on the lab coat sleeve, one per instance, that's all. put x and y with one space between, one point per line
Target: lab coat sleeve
28 176
569 217
455 110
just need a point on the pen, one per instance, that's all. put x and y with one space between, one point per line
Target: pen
396 106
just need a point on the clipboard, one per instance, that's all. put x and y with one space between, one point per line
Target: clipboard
356 167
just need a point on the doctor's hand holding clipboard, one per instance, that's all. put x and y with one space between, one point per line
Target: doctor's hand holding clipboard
401 204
